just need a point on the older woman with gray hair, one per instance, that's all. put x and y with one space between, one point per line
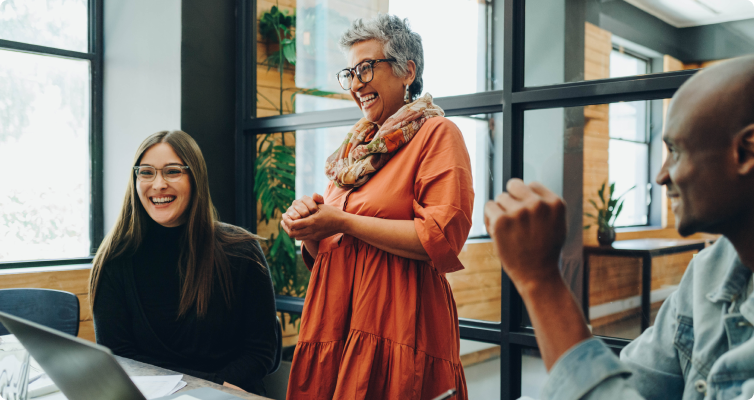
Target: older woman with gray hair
379 320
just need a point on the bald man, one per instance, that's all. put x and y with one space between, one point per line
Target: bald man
701 345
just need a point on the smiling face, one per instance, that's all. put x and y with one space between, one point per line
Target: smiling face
166 202
700 172
383 96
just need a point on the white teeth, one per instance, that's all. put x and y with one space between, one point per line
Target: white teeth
162 200
368 99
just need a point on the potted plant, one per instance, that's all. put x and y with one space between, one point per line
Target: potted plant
607 213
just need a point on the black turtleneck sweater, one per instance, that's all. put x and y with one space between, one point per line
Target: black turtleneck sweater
136 314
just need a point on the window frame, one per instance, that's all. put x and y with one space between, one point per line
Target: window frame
95 56
647 130
508 94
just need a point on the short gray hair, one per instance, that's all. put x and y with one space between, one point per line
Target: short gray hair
398 41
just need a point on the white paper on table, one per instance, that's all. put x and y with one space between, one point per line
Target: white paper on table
11 343
153 387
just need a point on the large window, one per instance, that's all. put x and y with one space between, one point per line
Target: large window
49 130
629 144
574 95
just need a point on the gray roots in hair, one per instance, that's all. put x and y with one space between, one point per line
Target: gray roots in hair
398 42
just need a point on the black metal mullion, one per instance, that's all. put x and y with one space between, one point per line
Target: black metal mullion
45 263
513 134
245 153
44 50
646 87
96 149
469 104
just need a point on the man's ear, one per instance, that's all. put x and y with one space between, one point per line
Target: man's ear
745 139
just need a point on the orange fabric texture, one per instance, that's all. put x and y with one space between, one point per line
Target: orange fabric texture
376 325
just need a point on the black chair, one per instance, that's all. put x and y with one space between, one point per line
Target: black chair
54 309
279 350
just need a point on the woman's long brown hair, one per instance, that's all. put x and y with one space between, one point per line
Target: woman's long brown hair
204 257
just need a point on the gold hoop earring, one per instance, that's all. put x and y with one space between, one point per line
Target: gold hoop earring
407 96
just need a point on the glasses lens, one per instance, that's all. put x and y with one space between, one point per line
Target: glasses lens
145 173
364 71
344 78
172 174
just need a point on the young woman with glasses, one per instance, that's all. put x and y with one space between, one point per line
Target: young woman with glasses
174 287
379 321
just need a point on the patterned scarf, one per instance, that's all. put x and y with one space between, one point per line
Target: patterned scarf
368 147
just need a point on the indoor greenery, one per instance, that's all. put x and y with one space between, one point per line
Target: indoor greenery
275 178
609 209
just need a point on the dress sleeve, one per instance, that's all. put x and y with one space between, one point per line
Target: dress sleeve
260 345
444 195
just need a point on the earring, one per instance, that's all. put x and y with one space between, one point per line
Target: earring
407 96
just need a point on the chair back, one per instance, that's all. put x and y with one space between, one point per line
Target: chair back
54 309
279 350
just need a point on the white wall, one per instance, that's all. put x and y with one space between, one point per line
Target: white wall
142 85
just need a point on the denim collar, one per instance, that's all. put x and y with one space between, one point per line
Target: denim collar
734 283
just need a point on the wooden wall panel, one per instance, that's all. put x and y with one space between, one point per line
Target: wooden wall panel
74 280
476 289
598 45
617 278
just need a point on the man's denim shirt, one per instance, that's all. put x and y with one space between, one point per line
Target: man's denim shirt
698 348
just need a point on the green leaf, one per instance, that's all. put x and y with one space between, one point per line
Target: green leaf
289 52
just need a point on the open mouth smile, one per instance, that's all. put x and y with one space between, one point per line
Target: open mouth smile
162 200
368 99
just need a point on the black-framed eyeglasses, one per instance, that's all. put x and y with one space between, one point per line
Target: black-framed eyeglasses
364 71
171 173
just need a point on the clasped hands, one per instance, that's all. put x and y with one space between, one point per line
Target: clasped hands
308 218
527 227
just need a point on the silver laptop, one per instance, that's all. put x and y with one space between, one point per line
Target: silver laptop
83 370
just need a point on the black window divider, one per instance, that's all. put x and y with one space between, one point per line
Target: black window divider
512 98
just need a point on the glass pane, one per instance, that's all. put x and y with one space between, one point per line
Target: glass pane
44 141
668 35
54 23
481 366
628 120
570 150
312 57
629 166
533 373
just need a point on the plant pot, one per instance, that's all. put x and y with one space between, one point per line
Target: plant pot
606 236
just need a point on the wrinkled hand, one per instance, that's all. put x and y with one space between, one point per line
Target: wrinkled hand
527 226
304 207
301 223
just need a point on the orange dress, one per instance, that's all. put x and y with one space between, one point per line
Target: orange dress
376 325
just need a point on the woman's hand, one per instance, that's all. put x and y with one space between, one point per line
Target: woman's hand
232 386
304 207
324 222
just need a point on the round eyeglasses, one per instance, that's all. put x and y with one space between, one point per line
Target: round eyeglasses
171 173
364 71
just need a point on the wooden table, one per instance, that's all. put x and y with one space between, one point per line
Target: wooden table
136 368
646 249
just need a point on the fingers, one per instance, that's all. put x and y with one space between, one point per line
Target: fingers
519 190
318 198
492 213
292 213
